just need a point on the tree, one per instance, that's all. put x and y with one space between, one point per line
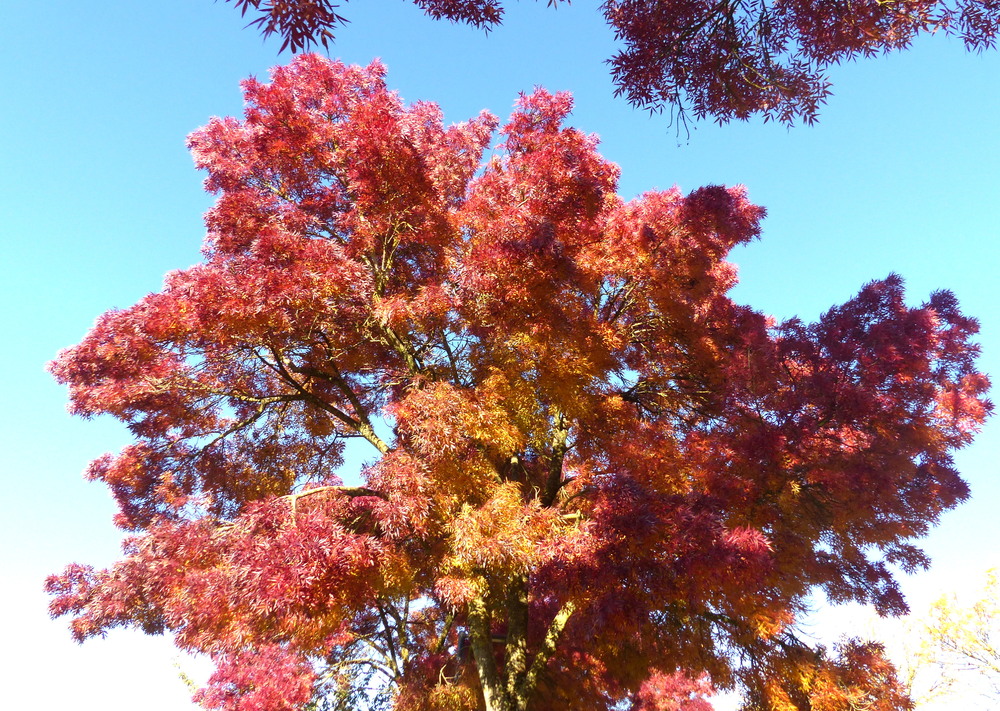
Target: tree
954 648
596 480
727 59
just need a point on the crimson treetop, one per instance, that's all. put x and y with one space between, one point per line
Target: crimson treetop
594 479
724 59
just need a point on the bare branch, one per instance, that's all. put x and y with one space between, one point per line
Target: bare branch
390 642
362 426
452 362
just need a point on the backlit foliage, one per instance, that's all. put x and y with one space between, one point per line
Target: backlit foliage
951 651
594 481
725 59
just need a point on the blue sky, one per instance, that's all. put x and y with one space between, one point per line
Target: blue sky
99 199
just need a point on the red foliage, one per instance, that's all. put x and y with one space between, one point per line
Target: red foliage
592 468
724 59
269 679
673 692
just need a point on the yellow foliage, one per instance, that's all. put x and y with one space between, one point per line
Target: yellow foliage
953 650
504 534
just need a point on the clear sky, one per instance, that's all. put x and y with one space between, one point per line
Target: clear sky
98 199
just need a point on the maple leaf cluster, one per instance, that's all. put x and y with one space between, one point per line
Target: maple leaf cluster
725 59
594 479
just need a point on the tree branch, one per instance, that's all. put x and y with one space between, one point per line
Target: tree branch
452 362
362 426
365 662
404 349
553 482
541 660
516 657
443 639
387 632
494 692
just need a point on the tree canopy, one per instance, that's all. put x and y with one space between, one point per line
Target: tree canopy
724 59
594 480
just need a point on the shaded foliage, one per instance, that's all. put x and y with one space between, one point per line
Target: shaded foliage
724 59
